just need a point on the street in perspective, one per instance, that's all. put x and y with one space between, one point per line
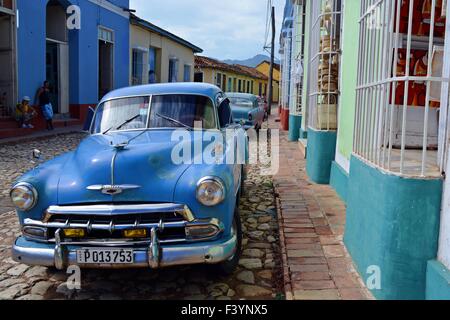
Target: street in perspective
255 152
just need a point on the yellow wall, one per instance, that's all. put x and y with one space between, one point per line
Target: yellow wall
210 76
143 39
264 68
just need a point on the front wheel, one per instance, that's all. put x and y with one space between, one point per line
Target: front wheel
227 267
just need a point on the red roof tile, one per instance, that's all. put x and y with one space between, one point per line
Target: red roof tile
206 62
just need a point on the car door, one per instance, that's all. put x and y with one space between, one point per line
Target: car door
233 138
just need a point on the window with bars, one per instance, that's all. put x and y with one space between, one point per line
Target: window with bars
298 59
324 65
138 67
286 67
398 104
173 70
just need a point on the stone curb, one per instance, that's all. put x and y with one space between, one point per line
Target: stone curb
289 294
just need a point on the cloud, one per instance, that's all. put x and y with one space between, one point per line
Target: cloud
224 29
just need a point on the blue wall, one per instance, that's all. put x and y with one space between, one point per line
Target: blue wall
83 52
320 155
339 180
393 223
438 281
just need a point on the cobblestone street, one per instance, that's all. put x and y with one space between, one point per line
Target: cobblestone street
305 259
259 275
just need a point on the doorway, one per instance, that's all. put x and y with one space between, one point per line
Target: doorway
105 62
7 64
105 72
57 57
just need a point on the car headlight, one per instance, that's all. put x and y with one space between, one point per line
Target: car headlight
210 191
24 196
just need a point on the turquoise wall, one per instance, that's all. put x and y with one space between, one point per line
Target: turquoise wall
339 180
438 281
295 122
392 222
321 153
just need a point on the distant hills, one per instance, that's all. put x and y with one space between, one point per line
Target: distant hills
252 62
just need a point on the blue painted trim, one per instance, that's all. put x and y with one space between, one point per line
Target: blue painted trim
295 122
438 281
392 223
339 180
321 153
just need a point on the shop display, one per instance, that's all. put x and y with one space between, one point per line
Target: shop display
421 19
328 72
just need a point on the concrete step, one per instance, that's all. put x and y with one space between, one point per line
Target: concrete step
303 143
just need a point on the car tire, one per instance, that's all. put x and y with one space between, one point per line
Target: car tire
227 267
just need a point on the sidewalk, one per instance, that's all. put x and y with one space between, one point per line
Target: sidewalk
316 263
42 134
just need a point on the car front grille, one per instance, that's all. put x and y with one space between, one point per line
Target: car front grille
112 227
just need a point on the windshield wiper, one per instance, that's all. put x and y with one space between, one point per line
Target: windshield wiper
123 124
174 121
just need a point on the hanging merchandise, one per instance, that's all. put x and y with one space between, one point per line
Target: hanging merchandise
326 17
437 63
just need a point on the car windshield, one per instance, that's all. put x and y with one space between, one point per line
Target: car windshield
177 110
166 111
112 114
241 102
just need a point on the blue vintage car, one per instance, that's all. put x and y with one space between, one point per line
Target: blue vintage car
247 110
121 201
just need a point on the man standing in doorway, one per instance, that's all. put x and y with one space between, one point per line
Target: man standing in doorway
45 104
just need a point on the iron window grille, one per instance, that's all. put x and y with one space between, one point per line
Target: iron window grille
400 123
298 59
286 69
324 65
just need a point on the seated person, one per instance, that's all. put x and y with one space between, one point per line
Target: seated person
25 113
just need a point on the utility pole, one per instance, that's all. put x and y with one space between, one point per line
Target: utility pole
272 61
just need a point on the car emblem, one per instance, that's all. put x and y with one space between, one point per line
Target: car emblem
112 190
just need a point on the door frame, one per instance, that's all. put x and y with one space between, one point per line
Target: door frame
113 61
63 81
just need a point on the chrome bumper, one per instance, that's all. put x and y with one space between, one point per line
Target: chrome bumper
152 256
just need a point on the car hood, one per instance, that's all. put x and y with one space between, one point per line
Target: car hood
144 163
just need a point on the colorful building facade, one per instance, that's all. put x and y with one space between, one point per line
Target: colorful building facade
375 118
264 68
158 56
80 47
230 78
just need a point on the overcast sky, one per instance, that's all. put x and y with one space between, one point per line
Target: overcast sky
224 29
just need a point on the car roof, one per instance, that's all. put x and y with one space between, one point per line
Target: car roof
204 89
241 95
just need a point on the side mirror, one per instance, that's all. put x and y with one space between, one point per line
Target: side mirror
88 121
37 154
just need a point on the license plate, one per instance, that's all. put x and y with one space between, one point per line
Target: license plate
105 256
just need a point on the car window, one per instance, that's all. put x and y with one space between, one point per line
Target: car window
225 114
177 110
242 102
112 114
